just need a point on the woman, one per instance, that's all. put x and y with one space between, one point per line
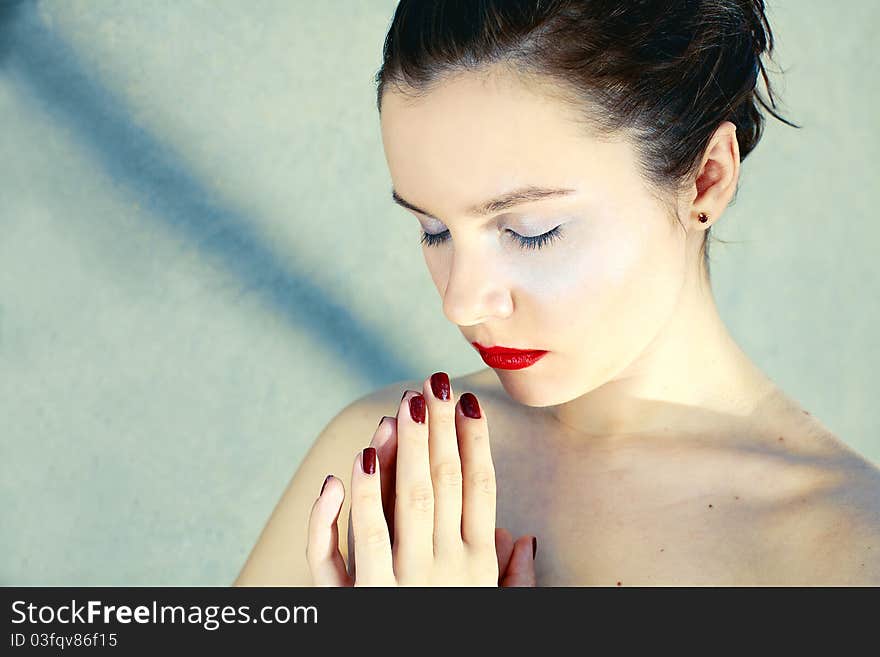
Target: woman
566 161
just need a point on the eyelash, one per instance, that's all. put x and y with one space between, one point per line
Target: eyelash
536 242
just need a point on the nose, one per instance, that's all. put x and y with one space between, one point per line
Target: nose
475 292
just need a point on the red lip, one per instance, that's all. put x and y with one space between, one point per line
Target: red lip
508 358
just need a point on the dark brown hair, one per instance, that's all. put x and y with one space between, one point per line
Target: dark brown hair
665 74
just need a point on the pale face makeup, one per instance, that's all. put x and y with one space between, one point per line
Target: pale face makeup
601 296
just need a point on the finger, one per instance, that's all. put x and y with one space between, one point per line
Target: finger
414 505
446 476
521 569
352 565
386 453
385 442
372 544
503 550
326 564
478 471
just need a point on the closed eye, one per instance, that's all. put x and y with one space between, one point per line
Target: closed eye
536 242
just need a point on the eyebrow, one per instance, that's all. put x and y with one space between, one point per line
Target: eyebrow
527 194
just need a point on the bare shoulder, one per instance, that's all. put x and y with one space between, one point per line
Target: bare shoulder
827 529
840 532
279 556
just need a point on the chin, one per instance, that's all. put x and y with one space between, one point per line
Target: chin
541 387
529 392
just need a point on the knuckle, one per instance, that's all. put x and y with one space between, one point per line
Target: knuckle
444 421
447 474
484 481
413 433
375 536
367 498
421 497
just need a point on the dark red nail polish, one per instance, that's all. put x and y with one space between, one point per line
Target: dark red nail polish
470 406
369 460
440 385
324 485
534 547
417 408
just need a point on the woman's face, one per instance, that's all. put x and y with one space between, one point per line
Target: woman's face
595 295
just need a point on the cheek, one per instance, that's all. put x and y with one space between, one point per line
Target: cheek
607 287
581 278
438 268
607 294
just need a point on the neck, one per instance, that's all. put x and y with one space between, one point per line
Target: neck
692 376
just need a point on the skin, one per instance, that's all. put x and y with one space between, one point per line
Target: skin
645 448
437 524
622 302
645 433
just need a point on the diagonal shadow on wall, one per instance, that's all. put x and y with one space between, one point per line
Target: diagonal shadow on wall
48 68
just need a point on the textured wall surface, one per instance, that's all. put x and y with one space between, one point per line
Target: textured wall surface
200 264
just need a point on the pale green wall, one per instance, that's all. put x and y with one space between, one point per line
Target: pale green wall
200 264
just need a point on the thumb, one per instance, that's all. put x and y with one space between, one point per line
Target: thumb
503 550
521 568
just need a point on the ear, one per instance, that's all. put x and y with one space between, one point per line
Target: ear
716 182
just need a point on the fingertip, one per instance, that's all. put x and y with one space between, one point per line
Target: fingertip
382 433
521 568
329 496
470 406
331 484
523 549
368 460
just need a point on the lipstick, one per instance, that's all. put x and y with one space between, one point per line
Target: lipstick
508 358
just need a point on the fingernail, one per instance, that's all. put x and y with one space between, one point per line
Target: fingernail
534 547
381 420
417 408
470 406
324 485
440 385
369 460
